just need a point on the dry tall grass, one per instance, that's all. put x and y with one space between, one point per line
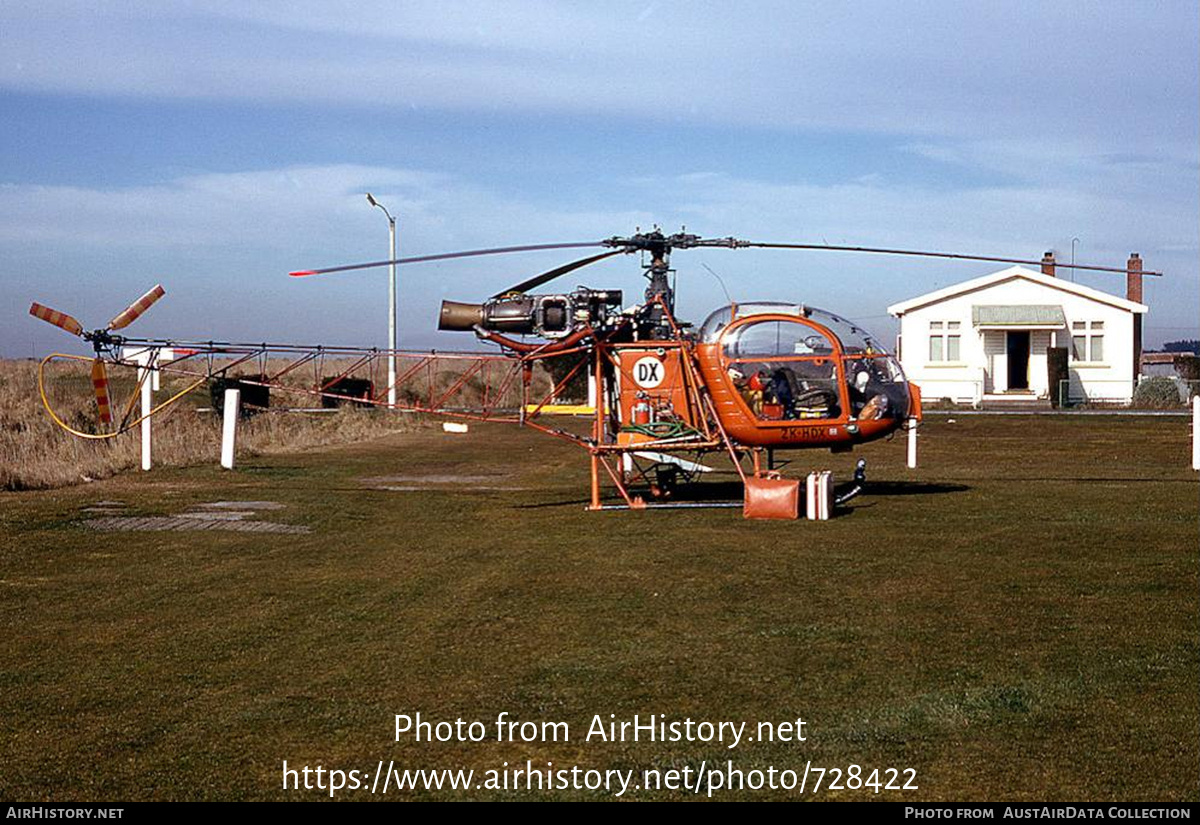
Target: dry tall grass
35 453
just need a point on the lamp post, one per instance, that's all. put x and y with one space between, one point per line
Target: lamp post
391 302
1073 242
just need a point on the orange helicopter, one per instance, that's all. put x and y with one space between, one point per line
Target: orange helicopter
754 377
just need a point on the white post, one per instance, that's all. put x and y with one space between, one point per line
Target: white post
233 403
392 316
592 390
147 379
912 443
1196 433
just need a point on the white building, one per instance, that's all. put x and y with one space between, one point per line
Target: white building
987 339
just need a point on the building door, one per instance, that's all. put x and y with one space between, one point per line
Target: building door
1017 350
995 375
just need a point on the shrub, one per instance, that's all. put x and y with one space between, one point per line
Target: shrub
1157 393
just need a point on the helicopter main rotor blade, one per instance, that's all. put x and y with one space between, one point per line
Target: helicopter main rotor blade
550 275
445 256
949 255
59 319
135 310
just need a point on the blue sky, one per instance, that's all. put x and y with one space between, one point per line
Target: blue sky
213 147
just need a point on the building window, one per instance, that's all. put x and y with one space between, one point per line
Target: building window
945 340
1087 341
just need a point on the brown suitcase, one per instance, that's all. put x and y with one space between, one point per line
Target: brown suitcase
772 498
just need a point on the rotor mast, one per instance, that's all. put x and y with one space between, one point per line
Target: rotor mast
660 298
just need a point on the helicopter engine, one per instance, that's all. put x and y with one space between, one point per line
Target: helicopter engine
547 316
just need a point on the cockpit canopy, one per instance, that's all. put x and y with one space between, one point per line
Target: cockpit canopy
813 365
854 339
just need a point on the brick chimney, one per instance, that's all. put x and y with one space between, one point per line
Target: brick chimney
1133 278
1048 264
1133 291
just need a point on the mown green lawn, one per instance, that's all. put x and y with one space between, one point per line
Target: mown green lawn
1017 619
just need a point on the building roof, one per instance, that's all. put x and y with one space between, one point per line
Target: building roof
1166 357
1011 273
1018 315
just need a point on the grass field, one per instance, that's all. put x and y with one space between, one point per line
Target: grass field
1015 620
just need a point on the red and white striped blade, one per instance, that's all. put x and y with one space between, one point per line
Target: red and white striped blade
100 385
59 319
134 311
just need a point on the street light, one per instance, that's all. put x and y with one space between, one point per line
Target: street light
391 302
1073 242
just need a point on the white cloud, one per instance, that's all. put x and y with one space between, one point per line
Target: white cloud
1063 71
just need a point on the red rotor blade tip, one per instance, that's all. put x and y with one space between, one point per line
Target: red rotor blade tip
300 273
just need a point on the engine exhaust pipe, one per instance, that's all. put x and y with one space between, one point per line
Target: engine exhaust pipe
517 316
459 317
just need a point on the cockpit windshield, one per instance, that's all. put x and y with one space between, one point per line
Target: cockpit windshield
788 369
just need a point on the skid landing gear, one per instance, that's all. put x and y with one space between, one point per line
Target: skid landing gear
856 486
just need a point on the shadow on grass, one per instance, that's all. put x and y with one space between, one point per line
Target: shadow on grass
725 492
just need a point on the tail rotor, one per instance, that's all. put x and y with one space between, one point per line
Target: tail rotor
102 340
